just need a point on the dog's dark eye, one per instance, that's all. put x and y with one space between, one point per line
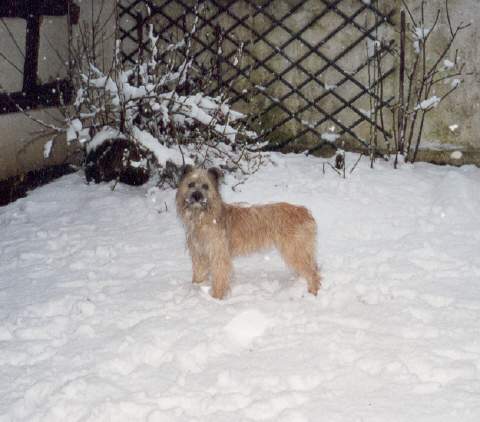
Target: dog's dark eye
205 186
191 185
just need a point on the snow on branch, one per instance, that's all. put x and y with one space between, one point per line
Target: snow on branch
158 104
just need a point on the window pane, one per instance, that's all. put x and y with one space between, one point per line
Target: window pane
12 52
53 52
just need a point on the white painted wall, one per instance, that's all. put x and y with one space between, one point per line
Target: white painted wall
21 145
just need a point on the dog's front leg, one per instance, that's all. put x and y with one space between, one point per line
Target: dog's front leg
221 269
199 267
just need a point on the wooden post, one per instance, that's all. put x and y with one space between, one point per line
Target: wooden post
32 45
401 86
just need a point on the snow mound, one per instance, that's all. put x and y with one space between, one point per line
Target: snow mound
244 328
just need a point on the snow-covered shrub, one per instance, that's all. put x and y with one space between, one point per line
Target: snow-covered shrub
157 106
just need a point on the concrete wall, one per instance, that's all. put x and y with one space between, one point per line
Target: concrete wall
21 144
454 124
462 108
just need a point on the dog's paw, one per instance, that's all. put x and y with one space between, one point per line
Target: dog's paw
217 295
197 281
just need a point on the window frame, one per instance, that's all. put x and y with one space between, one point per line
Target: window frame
33 95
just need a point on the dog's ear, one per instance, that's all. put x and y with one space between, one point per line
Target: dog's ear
215 173
185 170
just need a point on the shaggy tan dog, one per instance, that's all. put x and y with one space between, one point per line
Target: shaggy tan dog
216 232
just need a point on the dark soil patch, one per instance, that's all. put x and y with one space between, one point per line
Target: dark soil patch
17 187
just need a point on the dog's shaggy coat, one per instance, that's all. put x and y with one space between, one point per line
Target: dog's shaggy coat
216 232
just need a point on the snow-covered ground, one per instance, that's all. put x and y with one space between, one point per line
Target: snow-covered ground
99 320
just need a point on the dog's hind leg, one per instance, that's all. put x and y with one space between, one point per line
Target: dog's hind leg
299 255
313 279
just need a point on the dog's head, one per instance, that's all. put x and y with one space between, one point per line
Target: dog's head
198 189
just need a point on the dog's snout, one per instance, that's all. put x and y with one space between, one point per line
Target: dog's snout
197 196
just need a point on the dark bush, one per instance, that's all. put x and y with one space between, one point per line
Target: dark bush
119 159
